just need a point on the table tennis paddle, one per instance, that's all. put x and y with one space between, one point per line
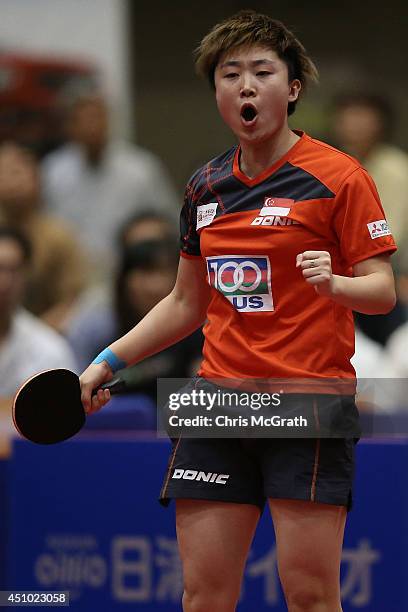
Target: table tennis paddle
48 408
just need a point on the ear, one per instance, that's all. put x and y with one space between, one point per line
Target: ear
294 90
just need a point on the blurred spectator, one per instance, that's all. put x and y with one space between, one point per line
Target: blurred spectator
96 182
397 351
373 368
401 271
397 355
145 225
146 275
362 125
27 345
380 327
370 359
57 273
140 226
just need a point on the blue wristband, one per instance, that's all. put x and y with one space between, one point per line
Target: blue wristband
111 359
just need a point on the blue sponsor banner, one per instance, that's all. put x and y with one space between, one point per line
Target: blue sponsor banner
374 573
4 521
85 518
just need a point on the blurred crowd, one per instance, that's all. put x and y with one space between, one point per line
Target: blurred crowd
89 244
362 125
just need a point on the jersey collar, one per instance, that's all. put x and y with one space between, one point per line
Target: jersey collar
251 182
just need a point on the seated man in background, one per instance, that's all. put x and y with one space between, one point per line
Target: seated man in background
58 270
96 182
27 345
362 127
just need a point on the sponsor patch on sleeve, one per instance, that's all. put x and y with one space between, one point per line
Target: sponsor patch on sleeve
378 229
205 214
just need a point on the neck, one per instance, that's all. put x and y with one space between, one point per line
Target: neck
94 155
257 157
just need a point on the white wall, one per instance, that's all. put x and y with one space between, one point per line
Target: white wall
91 29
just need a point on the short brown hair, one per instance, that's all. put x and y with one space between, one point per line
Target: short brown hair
248 28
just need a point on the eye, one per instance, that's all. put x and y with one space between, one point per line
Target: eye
230 75
263 73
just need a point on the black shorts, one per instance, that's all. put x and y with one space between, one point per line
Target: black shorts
248 471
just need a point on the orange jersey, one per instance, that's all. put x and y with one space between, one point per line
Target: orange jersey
264 320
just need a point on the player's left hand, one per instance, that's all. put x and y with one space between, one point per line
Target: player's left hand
317 270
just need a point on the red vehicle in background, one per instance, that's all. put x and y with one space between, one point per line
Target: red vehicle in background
33 91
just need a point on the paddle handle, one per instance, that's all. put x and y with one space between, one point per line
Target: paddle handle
115 386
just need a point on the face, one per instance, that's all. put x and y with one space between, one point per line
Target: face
12 275
19 179
358 128
148 229
253 92
88 124
145 288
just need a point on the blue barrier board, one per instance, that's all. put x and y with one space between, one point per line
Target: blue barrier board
85 518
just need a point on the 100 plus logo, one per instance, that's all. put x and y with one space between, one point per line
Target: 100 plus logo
245 280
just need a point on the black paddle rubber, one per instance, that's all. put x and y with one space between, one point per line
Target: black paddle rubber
48 408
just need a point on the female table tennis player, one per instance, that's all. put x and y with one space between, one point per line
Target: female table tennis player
282 237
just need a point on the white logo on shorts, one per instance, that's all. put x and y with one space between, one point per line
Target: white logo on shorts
204 476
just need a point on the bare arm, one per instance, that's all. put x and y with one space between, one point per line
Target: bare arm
6 426
173 318
371 290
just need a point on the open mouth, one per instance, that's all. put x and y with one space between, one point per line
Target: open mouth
248 113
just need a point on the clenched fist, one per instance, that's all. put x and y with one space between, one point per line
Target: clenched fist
317 271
